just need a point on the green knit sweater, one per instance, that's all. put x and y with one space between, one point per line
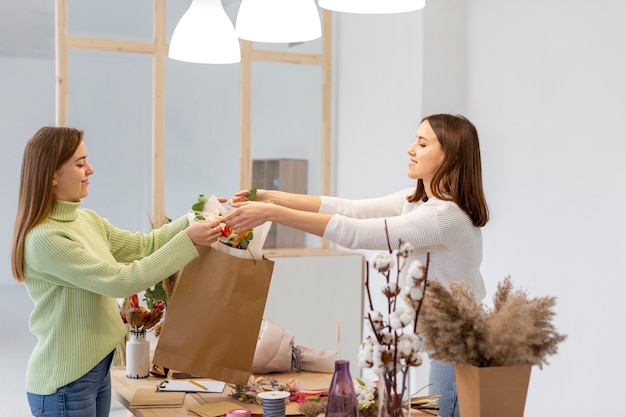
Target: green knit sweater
75 264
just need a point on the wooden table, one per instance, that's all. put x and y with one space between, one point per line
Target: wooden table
124 389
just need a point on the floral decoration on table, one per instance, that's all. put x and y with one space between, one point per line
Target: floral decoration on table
517 331
139 318
395 345
249 393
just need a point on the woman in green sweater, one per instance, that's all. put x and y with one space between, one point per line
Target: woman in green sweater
74 264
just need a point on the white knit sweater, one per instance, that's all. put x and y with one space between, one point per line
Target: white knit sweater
438 226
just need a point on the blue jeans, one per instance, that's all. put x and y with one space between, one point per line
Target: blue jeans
88 396
442 381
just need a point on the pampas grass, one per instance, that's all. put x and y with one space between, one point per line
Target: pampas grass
517 331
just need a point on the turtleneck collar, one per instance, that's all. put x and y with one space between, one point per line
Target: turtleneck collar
64 211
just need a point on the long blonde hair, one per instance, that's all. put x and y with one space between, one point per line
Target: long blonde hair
48 149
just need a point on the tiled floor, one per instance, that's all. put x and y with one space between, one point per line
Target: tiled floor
16 343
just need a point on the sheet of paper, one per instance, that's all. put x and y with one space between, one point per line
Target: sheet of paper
149 398
185 385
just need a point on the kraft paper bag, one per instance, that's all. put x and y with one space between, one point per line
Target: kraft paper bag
212 322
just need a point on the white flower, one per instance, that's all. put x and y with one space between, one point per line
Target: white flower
391 290
378 366
387 337
405 249
212 215
376 320
414 293
416 270
366 353
401 317
364 392
382 261
415 359
409 341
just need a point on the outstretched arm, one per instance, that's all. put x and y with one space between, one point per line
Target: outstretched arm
250 214
303 202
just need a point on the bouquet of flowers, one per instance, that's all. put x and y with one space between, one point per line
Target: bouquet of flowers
248 242
234 240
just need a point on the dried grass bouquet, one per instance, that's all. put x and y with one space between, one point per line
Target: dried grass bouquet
517 331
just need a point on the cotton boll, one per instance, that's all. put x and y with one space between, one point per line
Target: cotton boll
378 366
401 317
414 293
415 359
387 337
366 353
382 262
416 270
376 320
405 249
391 290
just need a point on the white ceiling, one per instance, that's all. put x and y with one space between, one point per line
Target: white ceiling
27 28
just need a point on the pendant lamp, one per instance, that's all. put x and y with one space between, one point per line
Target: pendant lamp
278 21
372 6
205 35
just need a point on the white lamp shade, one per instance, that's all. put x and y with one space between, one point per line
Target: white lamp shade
278 21
205 35
372 6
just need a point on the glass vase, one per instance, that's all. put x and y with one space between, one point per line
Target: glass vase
394 395
342 400
137 355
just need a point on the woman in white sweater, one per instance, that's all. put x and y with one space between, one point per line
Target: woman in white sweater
442 215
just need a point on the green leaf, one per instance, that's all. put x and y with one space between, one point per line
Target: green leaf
153 294
252 196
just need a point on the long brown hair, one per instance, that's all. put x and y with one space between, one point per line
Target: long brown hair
48 149
459 178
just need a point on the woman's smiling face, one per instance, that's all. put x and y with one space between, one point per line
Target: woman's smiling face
71 180
426 155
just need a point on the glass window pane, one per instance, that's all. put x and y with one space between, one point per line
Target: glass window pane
111 19
202 133
110 98
287 118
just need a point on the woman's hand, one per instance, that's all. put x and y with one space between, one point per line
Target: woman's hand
243 196
204 233
249 214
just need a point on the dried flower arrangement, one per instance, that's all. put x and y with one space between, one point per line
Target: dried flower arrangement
517 331
139 318
249 392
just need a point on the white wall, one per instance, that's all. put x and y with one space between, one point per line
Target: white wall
545 87
378 108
